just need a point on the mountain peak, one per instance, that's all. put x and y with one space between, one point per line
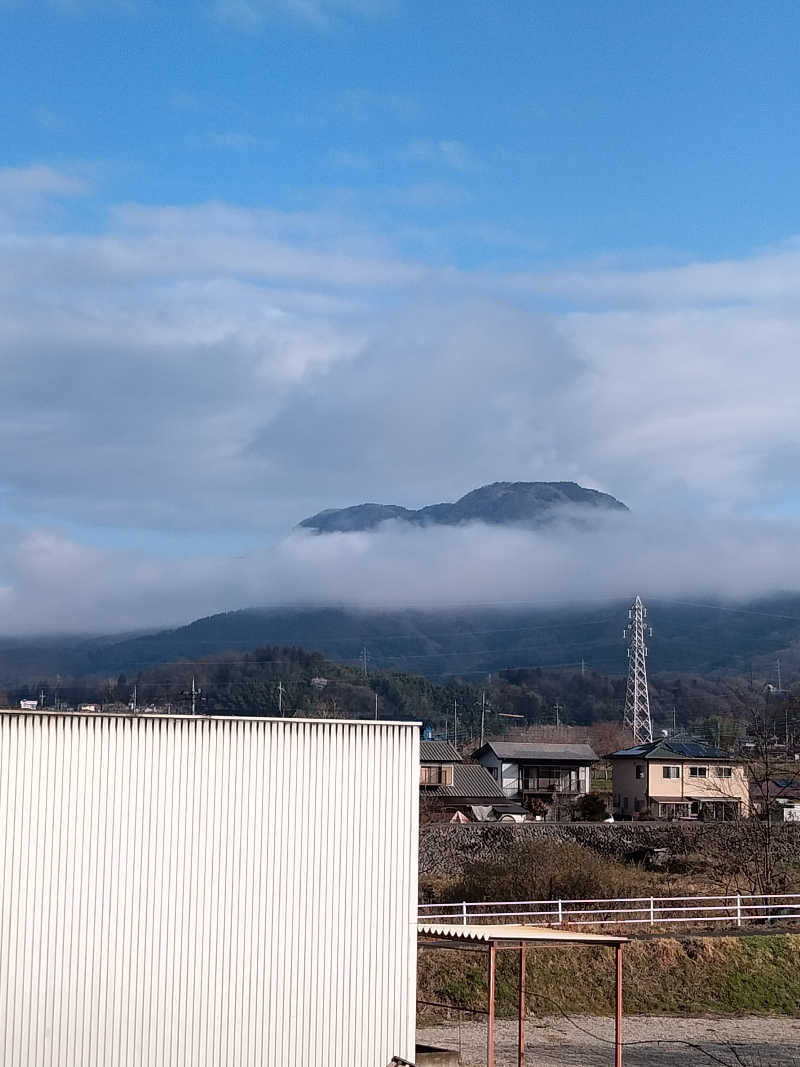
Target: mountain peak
500 503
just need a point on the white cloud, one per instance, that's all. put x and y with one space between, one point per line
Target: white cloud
53 584
252 15
769 275
345 159
23 185
449 153
217 369
27 192
50 120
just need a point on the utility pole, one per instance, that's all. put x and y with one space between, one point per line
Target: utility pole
780 688
637 698
135 709
483 715
376 707
364 659
583 666
558 708
194 697
455 723
674 727
281 691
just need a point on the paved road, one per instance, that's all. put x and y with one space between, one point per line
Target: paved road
750 1041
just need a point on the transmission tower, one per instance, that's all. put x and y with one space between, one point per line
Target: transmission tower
637 701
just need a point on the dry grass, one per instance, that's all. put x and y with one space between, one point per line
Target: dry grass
696 976
546 870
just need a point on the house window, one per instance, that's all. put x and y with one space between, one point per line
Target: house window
549 779
637 805
625 803
671 772
723 772
673 811
436 775
639 770
493 771
616 800
698 772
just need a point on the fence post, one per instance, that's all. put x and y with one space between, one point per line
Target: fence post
464 912
738 909
560 912
652 913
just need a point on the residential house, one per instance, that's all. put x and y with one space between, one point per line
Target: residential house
668 779
778 796
448 786
546 778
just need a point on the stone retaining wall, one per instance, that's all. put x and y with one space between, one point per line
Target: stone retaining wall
444 848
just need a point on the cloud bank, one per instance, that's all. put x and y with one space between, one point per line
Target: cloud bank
57 585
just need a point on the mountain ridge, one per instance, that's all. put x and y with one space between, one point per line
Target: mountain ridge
697 639
497 503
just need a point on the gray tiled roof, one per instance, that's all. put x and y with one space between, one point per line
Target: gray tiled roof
540 750
438 752
469 780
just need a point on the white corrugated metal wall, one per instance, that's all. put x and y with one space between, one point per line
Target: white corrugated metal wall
170 898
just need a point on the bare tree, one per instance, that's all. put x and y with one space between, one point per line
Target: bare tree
756 865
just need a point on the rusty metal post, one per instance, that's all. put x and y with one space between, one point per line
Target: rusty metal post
492 983
618 1018
521 1056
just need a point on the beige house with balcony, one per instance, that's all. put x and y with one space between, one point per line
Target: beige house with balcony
671 779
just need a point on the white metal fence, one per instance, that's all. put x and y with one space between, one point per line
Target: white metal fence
736 910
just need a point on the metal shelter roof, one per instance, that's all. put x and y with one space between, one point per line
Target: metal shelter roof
491 939
485 934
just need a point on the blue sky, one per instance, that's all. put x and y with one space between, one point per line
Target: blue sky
261 257
577 128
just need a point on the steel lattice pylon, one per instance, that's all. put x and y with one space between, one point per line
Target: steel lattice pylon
637 700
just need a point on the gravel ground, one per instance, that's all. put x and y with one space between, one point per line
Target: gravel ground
750 1041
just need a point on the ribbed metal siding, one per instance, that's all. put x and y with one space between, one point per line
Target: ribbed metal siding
170 898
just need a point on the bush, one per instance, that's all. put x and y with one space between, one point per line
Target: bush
545 870
591 808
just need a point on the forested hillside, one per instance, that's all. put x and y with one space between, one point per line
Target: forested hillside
705 639
283 680
689 638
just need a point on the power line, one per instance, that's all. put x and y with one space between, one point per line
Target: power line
722 607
